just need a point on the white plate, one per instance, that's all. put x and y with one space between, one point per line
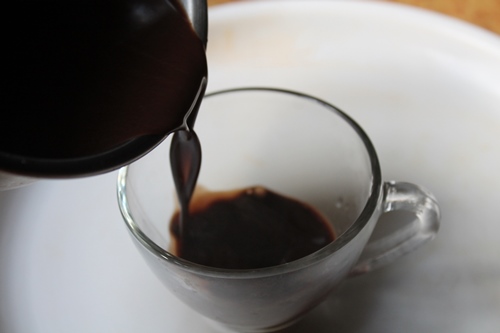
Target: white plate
427 90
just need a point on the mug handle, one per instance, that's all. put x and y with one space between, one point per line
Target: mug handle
401 196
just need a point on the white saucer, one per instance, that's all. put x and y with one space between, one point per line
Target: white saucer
425 87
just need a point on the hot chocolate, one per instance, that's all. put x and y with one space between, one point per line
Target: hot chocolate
247 229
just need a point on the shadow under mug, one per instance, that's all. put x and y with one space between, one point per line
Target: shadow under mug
300 147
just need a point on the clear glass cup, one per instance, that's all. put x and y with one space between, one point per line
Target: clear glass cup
297 146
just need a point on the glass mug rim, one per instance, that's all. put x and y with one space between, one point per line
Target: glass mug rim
338 243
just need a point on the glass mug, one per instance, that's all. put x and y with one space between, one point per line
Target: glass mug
300 147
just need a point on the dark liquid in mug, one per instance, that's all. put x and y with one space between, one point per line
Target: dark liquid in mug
242 229
84 77
247 229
